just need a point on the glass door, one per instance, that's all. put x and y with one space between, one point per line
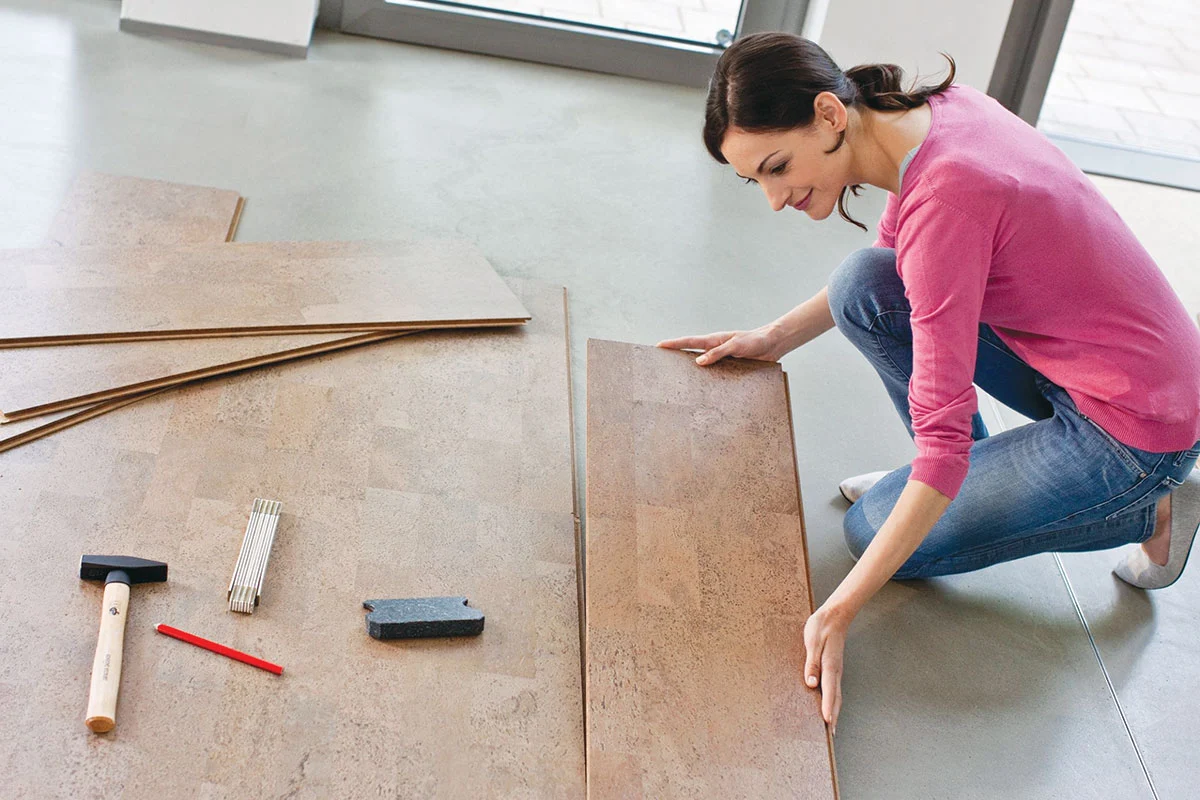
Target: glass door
677 41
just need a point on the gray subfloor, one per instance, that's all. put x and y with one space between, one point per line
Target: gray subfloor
978 686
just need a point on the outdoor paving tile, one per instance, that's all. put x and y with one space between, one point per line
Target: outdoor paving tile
1148 54
1111 94
1186 106
1086 44
1110 69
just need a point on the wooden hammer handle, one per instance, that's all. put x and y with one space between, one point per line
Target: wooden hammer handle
106 668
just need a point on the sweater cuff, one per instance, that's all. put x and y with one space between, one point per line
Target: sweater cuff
945 473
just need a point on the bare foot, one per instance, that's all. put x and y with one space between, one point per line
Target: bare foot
1158 546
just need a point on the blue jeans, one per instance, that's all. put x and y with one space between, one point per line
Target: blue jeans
1059 484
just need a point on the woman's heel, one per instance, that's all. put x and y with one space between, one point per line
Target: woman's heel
1138 570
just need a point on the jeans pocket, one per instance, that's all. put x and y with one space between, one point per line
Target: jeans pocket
1137 494
1182 467
1187 455
1119 447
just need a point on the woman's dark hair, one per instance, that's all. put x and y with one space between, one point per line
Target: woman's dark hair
767 82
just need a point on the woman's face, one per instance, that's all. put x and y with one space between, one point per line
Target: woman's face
793 167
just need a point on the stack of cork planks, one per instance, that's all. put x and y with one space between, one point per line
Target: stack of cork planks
697 583
438 463
312 297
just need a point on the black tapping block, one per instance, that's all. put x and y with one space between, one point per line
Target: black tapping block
418 617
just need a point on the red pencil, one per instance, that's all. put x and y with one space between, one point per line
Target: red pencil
236 655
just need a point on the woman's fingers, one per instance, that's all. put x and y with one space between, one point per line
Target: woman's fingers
695 342
716 354
828 690
837 708
831 687
812 659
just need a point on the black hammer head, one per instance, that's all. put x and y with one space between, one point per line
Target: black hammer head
122 569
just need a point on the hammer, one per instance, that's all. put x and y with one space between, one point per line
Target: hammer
118 573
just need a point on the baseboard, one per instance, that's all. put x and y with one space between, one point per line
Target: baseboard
1131 163
208 37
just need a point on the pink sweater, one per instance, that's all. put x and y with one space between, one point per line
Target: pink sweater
994 224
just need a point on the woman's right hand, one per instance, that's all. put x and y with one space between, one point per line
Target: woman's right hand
762 344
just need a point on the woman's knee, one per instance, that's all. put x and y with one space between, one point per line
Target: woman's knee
860 533
861 285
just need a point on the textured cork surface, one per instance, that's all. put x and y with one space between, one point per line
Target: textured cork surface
697 584
45 380
26 431
63 294
102 209
430 465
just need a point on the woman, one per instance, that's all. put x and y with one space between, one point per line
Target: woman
997 263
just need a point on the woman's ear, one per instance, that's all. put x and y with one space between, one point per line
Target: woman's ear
830 111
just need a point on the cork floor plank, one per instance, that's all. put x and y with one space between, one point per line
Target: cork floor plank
697 585
104 209
435 465
69 295
53 379
48 380
45 382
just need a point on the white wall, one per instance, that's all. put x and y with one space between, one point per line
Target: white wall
911 32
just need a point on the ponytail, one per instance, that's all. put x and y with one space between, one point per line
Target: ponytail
879 86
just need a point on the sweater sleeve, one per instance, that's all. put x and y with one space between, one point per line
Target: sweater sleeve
885 235
943 255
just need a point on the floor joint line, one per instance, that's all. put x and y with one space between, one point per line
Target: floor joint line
1112 690
1062 571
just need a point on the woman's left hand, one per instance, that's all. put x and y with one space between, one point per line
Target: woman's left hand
825 643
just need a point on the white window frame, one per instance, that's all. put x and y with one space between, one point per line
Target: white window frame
568 44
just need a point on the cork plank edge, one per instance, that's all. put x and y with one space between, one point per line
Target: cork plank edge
237 218
280 330
812 604
62 423
580 577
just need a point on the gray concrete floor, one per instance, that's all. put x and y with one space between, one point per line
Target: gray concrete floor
979 686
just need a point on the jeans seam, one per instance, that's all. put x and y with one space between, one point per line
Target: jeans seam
879 342
990 555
